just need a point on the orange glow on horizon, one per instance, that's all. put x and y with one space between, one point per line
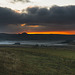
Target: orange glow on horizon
51 32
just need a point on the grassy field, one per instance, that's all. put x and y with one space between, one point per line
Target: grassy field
37 60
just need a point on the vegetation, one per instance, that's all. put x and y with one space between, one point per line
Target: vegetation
37 60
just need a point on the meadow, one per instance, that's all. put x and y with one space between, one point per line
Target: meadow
34 60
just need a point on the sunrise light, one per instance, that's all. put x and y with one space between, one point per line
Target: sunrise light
50 32
18 11
34 26
23 25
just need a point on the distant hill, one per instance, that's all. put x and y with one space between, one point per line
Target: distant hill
25 36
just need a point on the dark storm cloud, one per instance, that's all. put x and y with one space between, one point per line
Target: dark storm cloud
8 16
54 19
9 20
54 15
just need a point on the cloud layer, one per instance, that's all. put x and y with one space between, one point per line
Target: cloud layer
25 1
54 19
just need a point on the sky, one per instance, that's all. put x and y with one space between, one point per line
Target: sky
37 16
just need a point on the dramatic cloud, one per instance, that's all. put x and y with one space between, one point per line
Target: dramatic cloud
53 19
8 16
54 15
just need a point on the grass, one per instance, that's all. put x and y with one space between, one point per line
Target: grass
37 61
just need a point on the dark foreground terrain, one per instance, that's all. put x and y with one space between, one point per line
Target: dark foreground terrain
33 60
24 36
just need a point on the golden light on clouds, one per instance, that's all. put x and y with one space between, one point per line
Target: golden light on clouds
34 26
23 25
18 11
